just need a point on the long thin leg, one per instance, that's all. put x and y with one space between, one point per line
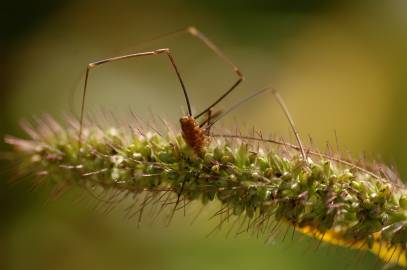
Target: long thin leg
280 101
200 36
179 194
196 33
238 104
211 116
207 121
90 66
290 119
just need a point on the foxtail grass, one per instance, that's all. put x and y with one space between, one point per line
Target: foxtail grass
334 200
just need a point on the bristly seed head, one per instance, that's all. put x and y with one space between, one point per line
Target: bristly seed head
323 198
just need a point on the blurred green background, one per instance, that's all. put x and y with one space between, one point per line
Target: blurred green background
340 66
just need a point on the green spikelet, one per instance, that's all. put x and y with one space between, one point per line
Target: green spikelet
321 197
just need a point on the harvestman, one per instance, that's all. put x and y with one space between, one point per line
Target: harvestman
195 133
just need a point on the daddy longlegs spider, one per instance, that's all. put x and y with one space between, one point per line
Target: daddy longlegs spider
195 134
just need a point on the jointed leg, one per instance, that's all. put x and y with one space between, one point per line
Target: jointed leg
208 121
238 104
200 36
280 100
90 66
196 33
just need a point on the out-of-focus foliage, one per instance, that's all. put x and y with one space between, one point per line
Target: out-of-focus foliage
339 64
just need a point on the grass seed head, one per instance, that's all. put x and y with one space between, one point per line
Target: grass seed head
327 199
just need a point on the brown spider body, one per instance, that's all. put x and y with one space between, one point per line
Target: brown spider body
194 135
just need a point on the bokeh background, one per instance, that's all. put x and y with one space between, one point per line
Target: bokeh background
340 66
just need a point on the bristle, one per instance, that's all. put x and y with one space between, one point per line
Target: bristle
331 199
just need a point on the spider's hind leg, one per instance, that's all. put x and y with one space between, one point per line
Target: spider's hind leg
207 123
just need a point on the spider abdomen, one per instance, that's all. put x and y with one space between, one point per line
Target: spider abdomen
194 135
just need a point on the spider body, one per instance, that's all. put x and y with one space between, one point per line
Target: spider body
194 135
195 129
194 132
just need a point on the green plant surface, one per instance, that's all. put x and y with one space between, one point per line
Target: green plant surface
259 186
